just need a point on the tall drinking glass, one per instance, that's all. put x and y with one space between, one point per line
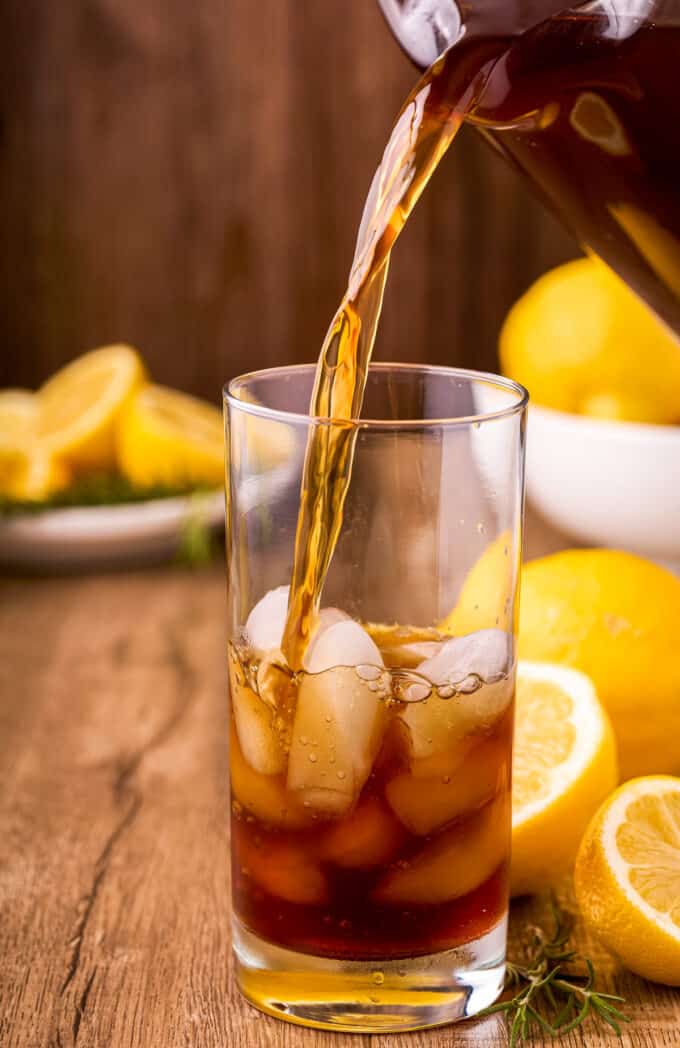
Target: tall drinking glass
370 790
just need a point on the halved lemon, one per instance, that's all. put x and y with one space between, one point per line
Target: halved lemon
627 876
564 765
80 406
166 437
18 413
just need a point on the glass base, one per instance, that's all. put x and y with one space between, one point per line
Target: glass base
370 996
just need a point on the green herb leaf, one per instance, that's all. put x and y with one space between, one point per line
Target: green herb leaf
546 993
100 489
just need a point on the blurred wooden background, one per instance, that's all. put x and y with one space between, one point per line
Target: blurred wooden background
189 177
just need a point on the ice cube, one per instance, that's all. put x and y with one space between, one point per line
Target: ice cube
260 744
425 805
265 624
285 871
370 836
485 653
435 724
409 656
265 796
454 863
339 719
327 617
267 620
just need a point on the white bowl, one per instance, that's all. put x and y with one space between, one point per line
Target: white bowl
613 484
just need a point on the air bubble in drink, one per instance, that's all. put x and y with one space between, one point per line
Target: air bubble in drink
368 672
417 692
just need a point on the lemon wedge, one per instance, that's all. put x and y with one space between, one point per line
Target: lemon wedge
80 405
18 413
627 876
28 472
166 437
258 443
564 765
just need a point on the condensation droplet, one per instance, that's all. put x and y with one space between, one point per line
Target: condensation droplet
481 528
313 758
446 780
342 775
303 740
378 978
328 719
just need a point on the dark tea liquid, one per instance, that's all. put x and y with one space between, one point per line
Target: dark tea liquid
347 855
587 105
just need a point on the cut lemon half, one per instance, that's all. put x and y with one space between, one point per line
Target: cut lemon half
171 438
627 876
564 765
80 405
18 413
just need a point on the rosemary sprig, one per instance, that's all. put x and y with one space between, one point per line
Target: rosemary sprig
554 989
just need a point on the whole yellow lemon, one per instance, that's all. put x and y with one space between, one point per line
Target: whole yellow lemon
581 341
615 617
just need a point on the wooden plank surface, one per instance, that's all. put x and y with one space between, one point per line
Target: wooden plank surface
114 904
190 176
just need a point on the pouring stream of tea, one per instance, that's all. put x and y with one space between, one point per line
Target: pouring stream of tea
425 128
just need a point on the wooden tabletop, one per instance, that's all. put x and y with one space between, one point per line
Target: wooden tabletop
114 874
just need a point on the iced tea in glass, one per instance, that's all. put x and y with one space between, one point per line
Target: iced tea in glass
370 785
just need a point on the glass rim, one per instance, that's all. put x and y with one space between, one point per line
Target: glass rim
483 378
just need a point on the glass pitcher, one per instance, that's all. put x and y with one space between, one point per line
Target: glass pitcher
584 102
